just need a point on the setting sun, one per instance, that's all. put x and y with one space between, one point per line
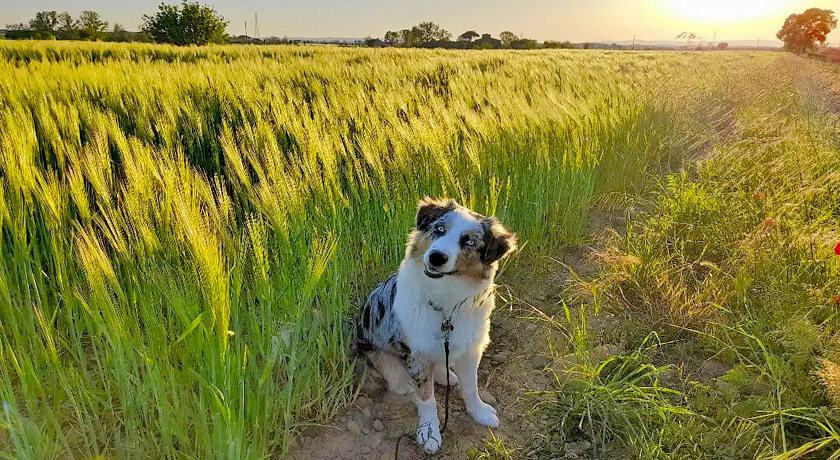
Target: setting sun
725 10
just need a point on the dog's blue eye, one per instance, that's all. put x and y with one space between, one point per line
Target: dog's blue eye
470 243
440 229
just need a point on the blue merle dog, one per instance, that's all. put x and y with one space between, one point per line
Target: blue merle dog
446 278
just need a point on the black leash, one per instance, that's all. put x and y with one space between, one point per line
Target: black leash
446 324
446 393
446 327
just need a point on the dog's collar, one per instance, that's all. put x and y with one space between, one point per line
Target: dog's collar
446 325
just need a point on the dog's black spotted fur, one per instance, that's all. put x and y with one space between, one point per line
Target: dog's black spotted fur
379 329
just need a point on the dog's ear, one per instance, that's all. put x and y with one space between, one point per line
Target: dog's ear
430 210
498 242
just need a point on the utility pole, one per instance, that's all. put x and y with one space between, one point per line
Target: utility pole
256 27
714 38
634 42
246 30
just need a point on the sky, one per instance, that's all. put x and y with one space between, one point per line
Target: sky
575 20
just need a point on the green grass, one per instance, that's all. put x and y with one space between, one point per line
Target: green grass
185 232
731 259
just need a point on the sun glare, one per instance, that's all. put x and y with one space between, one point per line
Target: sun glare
724 10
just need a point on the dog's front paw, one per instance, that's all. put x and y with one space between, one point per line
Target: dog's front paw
428 436
440 377
484 413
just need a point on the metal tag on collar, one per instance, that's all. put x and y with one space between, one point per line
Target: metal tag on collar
446 326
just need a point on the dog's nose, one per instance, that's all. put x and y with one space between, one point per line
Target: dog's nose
437 258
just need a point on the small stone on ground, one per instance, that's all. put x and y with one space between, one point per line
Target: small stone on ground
354 427
487 397
540 362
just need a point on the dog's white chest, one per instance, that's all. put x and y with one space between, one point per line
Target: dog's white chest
423 311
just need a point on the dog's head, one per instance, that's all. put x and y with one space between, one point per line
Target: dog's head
451 240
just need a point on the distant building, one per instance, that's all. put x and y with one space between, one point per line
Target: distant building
487 41
240 39
375 43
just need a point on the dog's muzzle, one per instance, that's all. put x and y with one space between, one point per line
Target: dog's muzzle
438 275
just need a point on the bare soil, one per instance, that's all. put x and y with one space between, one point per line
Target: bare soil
512 366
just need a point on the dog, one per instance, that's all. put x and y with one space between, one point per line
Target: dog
444 289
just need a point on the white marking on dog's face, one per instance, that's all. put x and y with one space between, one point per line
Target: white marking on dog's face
456 231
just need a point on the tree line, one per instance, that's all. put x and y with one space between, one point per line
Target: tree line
191 23
431 35
48 25
186 24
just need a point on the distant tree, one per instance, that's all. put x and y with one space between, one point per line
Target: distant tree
524 44
18 26
276 40
392 37
558 44
468 36
802 32
409 37
91 26
44 21
507 38
67 26
430 32
118 33
189 24
723 45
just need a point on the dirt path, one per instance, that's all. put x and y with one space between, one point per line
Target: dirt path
512 365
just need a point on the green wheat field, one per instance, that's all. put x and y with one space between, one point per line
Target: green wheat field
186 231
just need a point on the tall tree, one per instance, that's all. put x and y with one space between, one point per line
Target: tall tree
468 36
430 32
802 32
91 26
409 36
508 37
118 33
67 26
44 21
189 24
391 37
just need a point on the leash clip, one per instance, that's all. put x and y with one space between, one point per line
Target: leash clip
446 329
